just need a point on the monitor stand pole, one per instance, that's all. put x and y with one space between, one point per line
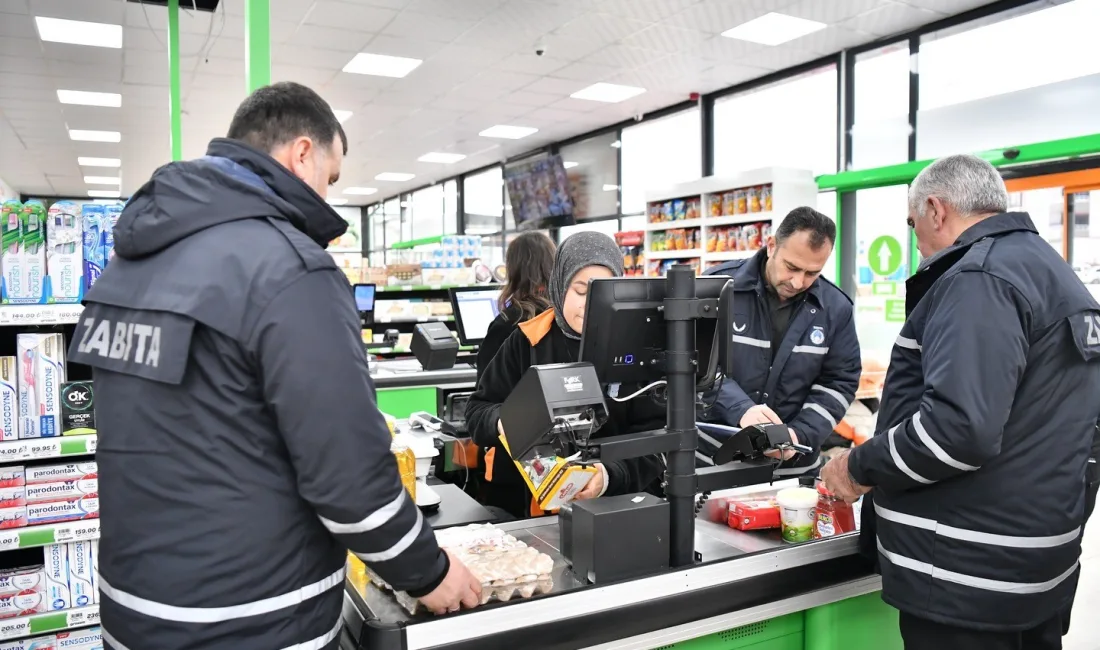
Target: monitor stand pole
680 481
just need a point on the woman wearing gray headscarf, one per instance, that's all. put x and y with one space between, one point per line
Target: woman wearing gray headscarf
554 337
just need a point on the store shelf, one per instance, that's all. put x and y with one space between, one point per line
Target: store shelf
15 628
735 219
32 536
673 255
730 255
668 225
30 449
419 319
402 350
40 314
424 287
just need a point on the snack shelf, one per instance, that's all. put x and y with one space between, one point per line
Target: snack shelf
15 628
673 255
40 314
32 536
668 225
56 447
404 350
725 256
738 219
423 287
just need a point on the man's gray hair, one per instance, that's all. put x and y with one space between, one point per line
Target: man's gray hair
965 182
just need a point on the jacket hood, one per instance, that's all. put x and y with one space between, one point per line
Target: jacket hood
233 181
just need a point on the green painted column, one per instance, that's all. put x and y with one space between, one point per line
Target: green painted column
174 103
257 43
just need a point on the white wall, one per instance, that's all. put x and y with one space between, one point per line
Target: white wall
7 191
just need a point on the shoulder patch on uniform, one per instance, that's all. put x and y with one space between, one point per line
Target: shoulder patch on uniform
1085 326
149 344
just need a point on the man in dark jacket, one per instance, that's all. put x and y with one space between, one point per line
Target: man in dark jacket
987 419
241 451
795 338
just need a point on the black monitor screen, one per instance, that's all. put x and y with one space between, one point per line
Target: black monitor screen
475 309
364 297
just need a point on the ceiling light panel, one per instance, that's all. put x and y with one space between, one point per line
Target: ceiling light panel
381 65
397 177
569 164
95 136
104 194
84 98
773 29
103 180
508 132
342 116
337 201
85 161
442 158
607 93
79 32
360 191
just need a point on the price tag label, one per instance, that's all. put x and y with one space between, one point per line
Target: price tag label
9 540
92 617
69 314
406 288
14 450
76 531
86 616
15 628
436 287
44 449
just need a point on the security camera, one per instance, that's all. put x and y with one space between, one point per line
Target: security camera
540 49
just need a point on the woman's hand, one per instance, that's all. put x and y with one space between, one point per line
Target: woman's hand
500 427
595 485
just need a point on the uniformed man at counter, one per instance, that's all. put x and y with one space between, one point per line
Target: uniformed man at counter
988 413
798 360
241 450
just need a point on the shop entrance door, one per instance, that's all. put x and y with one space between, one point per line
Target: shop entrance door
1061 205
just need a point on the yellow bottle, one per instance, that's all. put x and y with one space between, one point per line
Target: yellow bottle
406 465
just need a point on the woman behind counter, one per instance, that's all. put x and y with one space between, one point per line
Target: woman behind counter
554 337
529 262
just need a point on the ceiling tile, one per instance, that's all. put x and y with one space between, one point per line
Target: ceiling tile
14 6
21 47
623 56
35 66
309 56
330 13
16 26
413 48
890 19
330 39
468 55
456 103
577 106
531 63
301 74
649 10
549 115
663 38
727 50
833 11
465 10
778 58
568 48
716 16
946 7
831 40
429 28
585 73
528 98
602 28
553 86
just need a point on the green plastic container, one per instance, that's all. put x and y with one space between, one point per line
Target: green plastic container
781 633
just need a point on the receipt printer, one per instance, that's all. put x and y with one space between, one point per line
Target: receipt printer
616 538
557 404
434 346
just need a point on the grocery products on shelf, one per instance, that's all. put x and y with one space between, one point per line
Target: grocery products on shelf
677 239
412 309
632 244
745 200
40 364
46 494
674 210
55 255
65 580
749 237
658 268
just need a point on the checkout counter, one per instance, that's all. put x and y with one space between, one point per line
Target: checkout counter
751 590
404 387
746 590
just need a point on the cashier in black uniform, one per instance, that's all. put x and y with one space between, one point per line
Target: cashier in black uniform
529 262
554 337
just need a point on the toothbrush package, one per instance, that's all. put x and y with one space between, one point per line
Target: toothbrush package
92 217
23 237
65 252
41 359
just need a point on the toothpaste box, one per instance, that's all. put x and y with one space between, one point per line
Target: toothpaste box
24 254
53 512
65 253
31 578
89 639
95 571
57 577
41 373
9 398
42 492
64 472
23 603
81 587
77 408
13 476
13 497
92 217
15 517
48 642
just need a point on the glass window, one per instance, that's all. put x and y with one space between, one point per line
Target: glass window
377 227
1047 209
608 227
791 123
406 217
427 212
492 249
484 201
450 207
593 169
880 134
1086 238
826 205
1027 76
659 154
392 212
632 224
882 265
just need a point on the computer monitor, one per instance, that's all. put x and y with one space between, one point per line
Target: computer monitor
364 297
474 308
625 331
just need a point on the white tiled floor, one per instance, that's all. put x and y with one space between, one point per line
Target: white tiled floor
1085 632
